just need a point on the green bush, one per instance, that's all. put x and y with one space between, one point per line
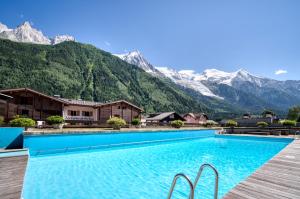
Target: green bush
262 124
116 122
288 123
1 120
55 119
22 122
136 122
177 123
231 123
210 123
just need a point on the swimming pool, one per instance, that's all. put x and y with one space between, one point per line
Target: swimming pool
66 166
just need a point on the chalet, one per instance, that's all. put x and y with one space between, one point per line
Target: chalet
39 106
165 117
195 118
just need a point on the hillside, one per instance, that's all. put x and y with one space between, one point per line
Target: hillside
75 70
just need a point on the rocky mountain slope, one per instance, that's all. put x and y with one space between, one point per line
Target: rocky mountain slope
240 88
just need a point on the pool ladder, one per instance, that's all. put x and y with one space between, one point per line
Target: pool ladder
193 185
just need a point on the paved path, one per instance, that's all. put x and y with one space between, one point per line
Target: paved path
12 171
277 179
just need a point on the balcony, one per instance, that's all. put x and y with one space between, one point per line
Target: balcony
78 118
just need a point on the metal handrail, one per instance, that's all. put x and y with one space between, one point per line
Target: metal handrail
176 177
203 166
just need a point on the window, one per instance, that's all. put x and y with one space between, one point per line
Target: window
26 101
116 115
87 113
119 107
73 113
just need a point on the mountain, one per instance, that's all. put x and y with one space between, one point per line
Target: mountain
25 33
75 70
136 58
245 91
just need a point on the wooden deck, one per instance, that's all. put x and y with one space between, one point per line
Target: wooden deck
277 179
12 170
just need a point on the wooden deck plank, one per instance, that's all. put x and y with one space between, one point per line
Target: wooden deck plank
12 171
279 178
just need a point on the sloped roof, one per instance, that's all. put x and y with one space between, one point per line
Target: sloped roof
119 101
195 115
32 91
5 97
160 116
80 102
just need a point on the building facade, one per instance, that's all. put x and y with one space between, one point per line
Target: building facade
39 106
195 118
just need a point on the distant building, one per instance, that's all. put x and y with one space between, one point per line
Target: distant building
165 117
195 118
39 106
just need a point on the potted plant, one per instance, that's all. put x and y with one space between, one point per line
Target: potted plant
56 121
288 124
177 124
116 122
210 123
231 124
136 122
22 122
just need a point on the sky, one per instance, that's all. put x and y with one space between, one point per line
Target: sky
260 36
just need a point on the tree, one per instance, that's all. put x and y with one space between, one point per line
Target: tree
116 122
288 124
22 122
136 122
177 124
294 113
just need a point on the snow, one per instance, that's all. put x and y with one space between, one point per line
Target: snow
26 33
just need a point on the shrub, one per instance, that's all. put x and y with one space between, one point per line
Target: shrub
22 122
1 120
288 123
116 122
262 124
210 123
55 119
177 123
231 123
136 122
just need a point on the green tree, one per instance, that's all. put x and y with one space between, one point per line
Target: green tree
22 122
177 124
136 122
294 113
116 123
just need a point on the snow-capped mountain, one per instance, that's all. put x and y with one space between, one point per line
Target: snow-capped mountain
136 58
245 90
26 33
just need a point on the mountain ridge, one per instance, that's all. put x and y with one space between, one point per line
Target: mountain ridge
27 34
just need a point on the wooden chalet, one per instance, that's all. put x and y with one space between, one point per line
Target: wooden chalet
165 117
195 118
39 106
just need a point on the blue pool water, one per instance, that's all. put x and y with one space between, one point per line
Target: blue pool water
139 171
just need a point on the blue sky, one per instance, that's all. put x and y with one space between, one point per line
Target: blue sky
257 35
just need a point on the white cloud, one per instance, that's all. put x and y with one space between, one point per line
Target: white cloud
280 72
107 43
